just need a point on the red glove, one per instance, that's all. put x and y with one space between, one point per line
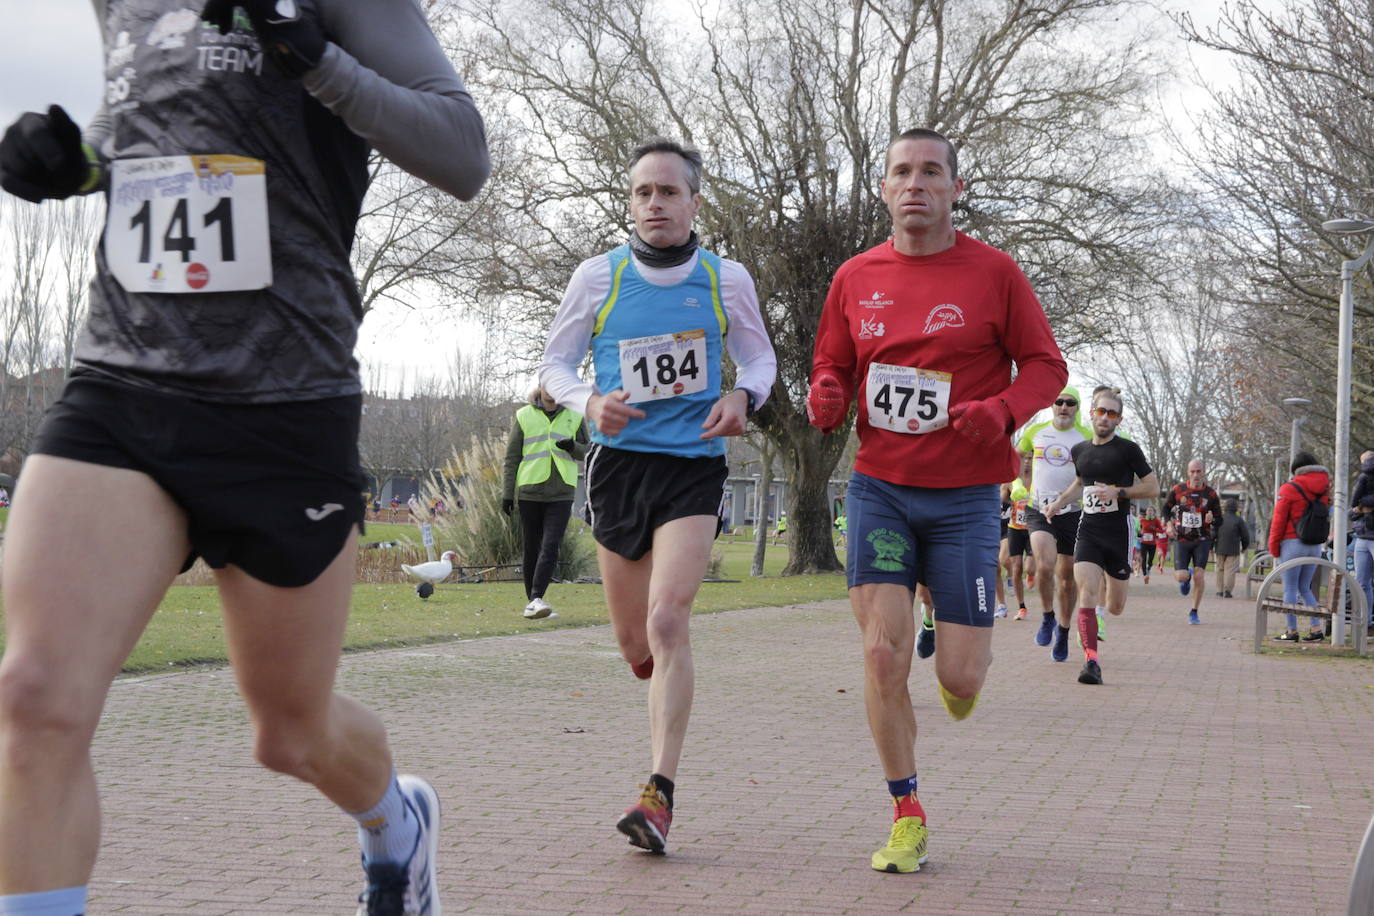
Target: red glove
826 404
981 421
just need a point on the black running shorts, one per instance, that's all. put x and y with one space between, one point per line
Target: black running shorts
1063 526
1108 549
1018 542
1192 553
631 494
274 489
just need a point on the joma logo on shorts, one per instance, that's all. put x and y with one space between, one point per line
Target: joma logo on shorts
982 594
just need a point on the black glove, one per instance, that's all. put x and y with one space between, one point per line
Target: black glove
508 506
565 444
291 39
42 156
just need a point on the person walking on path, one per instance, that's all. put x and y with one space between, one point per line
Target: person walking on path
1191 513
545 444
1050 446
1151 530
1111 471
214 407
937 406
1311 482
1233 539
659 313
1015 546
1362 527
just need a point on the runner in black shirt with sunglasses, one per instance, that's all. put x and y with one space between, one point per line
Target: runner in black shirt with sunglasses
1108 468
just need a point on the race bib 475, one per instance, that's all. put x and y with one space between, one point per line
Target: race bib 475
904 399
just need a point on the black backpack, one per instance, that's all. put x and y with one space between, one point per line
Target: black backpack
1314 525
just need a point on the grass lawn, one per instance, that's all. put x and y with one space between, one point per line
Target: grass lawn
187 629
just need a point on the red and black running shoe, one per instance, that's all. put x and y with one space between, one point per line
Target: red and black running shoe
646 822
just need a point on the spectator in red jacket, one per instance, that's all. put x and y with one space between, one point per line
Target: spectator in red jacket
1310 481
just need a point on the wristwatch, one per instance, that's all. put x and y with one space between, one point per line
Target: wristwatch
749 410
1121 493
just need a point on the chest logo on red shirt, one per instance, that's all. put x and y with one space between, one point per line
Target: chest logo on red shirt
870 328
877 300
944 316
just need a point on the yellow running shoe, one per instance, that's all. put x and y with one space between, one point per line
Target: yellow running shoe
905 851
957 707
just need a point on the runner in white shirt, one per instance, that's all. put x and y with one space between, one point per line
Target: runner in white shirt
1050 444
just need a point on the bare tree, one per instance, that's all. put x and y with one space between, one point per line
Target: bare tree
1290 146
792 103
761 491
26 318
413 427
77 229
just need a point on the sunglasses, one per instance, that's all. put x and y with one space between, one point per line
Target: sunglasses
1065 402
1106 412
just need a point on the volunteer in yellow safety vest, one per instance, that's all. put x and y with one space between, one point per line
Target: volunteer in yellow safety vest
546 442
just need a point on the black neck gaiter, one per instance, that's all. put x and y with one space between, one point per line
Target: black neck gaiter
663 257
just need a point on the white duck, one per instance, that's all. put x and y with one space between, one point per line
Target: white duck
431 573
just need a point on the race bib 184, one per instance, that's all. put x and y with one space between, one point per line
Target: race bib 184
663 366
188 224
903 399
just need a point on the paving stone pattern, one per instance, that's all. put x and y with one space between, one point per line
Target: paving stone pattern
1199 779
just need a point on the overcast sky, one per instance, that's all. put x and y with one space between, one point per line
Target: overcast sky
50 52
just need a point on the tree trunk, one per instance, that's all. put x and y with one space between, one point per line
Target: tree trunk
810 459
766 454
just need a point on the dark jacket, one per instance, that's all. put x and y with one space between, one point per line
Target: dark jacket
1362 523
1233 535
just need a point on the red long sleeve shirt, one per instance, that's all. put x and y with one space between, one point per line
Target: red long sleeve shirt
967 311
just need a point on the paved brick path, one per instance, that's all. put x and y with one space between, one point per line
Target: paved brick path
1200 779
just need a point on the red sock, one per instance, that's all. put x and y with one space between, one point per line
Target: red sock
1087 631
908 806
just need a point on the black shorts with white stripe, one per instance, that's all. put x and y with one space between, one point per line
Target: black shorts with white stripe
632 494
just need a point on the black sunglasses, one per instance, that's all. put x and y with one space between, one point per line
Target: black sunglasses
1065 402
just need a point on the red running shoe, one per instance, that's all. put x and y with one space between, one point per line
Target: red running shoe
645 669
646 823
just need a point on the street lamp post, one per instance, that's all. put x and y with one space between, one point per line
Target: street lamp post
1344 357
1298 408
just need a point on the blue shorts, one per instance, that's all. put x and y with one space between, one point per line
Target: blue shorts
944 538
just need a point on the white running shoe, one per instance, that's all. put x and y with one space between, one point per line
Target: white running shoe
1001 611
411 889
538 609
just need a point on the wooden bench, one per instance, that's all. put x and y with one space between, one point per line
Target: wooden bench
1327 610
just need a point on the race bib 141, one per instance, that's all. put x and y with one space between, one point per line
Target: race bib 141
188 224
